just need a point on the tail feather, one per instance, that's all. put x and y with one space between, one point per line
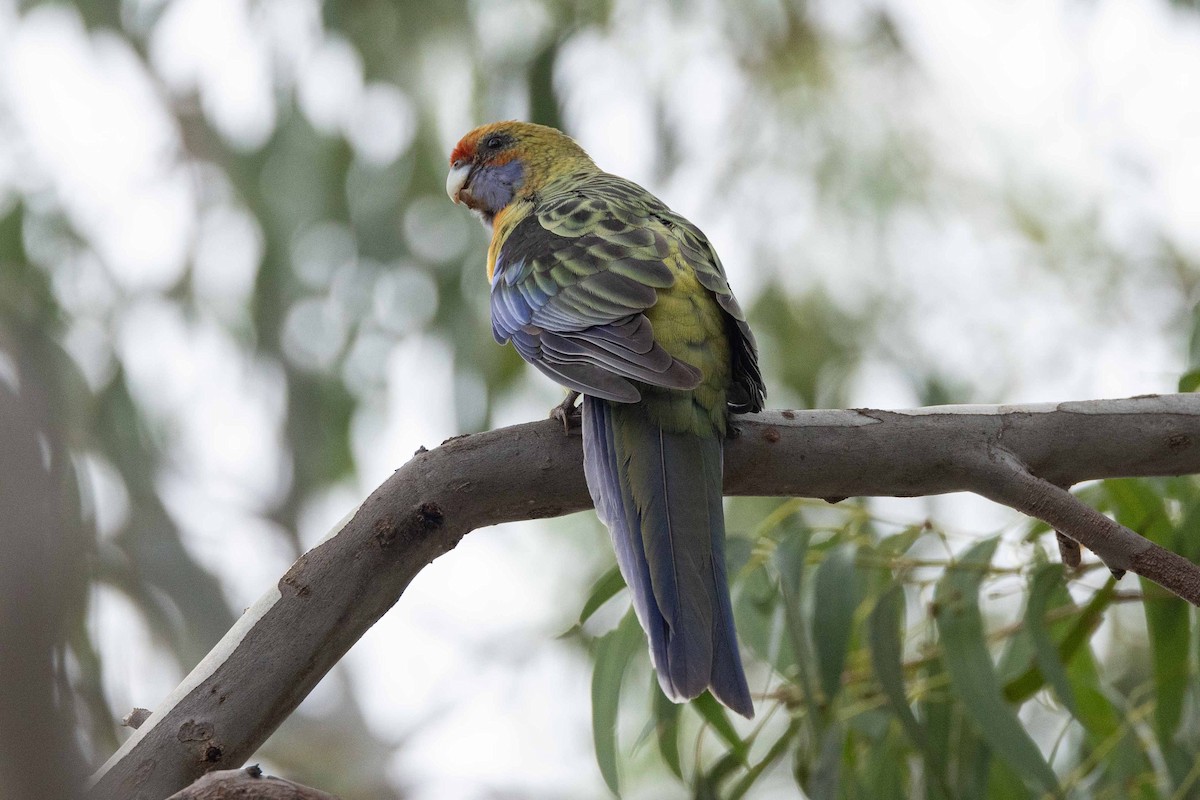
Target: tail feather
675 532
728 678
659 493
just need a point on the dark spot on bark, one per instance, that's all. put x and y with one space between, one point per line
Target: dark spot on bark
834 500
1179 441
385 531
430 515
192 731
293 578
771 435
789 414
143 772
212 754
454 439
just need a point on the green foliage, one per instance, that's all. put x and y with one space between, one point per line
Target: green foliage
836 597
972 674
880 671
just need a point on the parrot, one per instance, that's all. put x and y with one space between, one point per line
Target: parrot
607 291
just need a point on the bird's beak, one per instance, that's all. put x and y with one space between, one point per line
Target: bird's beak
456 180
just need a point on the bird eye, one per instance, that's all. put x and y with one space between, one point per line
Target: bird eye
493 142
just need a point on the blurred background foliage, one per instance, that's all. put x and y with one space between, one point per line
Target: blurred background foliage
228 264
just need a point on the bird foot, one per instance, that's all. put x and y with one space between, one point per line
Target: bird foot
568 413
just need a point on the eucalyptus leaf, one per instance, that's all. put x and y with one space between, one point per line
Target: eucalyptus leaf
612 654
972 673
836 595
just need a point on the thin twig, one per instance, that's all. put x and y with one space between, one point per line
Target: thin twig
1006 480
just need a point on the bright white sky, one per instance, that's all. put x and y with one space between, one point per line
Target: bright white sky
1093 105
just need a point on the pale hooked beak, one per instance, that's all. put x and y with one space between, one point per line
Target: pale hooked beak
456 180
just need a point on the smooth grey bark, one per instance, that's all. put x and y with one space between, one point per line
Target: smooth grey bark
276 653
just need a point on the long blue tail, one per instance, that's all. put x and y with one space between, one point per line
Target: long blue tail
659 493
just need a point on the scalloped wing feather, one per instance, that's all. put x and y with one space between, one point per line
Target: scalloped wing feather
570 285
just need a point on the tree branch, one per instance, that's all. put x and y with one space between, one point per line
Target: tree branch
285 643
247 784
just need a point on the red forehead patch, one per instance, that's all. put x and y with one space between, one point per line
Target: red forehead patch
464 150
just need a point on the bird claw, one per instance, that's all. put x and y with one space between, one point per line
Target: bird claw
568 413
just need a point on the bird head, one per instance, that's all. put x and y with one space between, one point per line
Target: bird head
494 164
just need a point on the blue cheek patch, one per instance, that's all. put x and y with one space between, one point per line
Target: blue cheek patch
494 187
